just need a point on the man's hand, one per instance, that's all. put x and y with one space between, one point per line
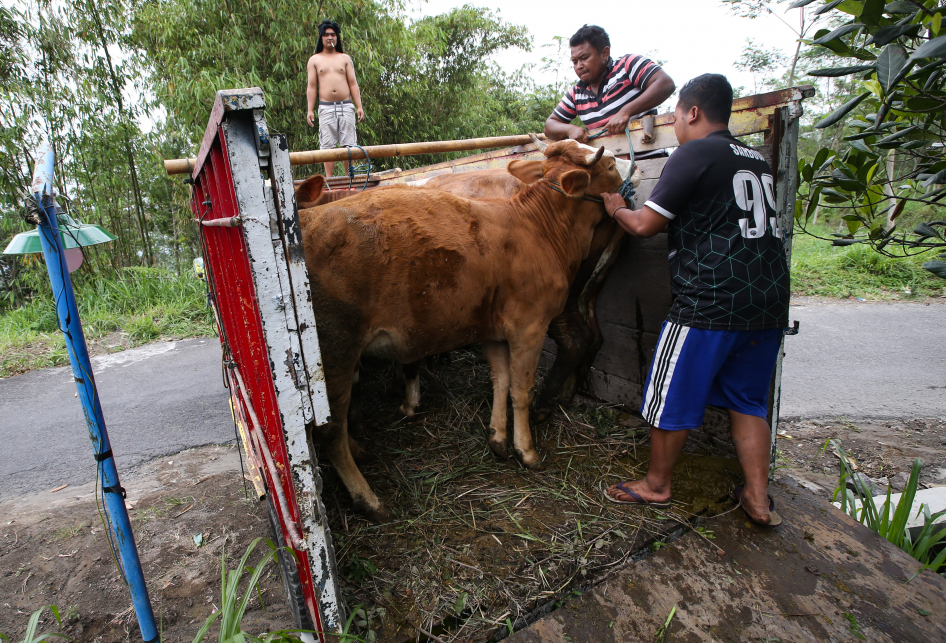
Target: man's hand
618 122
645 222
361 114
310 119
557 130
579 134
612 202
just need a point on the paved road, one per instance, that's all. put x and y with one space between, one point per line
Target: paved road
157 400
870 360
866 360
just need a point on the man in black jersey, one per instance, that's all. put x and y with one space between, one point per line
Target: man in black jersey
729 277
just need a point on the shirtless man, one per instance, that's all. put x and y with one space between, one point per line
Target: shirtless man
332 78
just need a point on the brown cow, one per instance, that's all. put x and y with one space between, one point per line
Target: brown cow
575 332
401 273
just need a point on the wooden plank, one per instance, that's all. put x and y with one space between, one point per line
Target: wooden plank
310 382
785 157
637 291
285 433
302 322
225 101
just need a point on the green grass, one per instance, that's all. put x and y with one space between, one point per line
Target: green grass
141 305
890 521
137 306
818 268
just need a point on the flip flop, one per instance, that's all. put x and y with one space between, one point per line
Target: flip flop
637 499
774 519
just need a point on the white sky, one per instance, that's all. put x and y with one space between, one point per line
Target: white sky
693 36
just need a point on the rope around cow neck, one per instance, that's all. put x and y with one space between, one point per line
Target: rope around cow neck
627 189
555 185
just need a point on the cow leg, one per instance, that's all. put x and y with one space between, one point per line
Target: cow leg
411 388
497 354
523 362
335 441
576 334
356 422
572 337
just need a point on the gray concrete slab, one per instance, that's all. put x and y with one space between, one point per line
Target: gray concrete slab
819 576
157 399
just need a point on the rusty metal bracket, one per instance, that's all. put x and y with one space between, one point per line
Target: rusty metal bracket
261 133
227 222
648 124
791 330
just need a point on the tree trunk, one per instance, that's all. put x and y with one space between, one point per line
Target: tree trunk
888 187
147 254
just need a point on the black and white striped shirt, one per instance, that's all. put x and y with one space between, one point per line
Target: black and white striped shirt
623 81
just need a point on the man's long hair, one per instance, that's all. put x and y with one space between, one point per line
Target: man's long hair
328 24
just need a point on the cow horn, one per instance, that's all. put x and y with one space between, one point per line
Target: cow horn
539 145
591 160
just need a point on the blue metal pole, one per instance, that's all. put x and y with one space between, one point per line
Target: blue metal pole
69 324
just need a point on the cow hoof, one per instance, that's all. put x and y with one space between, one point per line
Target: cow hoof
363 457
499 448
379 515
540 416
530 460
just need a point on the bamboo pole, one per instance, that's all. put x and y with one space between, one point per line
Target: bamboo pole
185 166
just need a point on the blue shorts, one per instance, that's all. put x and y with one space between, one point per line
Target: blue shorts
693 367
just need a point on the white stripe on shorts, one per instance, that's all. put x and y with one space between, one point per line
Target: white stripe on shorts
661 374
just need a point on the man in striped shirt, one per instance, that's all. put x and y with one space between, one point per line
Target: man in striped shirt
609 92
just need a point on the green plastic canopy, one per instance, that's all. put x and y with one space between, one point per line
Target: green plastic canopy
73 233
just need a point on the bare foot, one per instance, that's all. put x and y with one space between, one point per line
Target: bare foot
756 504
643 489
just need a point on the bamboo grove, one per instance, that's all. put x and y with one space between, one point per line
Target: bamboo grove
118 86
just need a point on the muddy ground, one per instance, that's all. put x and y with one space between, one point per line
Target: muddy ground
53 551
883 450
479 545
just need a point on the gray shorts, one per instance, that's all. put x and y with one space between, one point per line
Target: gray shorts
336 124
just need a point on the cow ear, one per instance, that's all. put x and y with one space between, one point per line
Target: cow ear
311 189
525 171
574 182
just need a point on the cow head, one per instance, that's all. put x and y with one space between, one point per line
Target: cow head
624 166
574 167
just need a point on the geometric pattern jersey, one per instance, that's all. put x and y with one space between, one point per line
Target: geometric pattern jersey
623 81
726 251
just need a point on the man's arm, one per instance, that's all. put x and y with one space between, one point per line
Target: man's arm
558 125
645 222
659 88
354 89
556 130
311 92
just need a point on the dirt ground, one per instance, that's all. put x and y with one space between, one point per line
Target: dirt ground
53 552
880 449
479 545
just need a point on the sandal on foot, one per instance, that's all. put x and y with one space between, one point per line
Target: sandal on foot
774 519
637 499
